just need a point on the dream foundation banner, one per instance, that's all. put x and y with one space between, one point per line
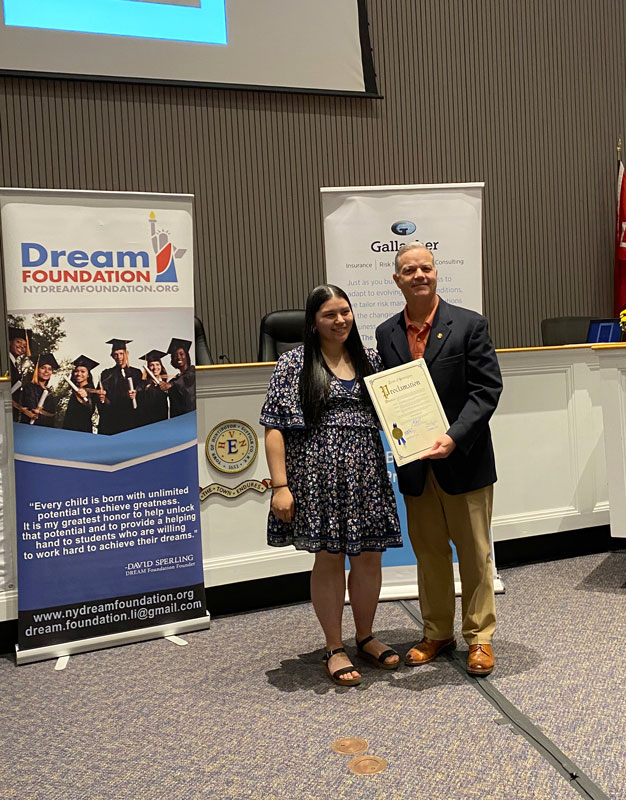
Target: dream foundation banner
100 316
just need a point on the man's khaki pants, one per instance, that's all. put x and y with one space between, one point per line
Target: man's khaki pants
433 519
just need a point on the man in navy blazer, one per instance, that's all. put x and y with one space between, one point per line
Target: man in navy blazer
448 492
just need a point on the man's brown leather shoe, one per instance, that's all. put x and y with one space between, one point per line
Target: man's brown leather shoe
427 650
480 659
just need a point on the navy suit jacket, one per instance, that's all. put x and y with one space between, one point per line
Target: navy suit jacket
464 367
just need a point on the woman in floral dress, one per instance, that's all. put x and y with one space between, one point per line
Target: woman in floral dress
331 493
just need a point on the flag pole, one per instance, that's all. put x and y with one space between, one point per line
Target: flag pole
619 296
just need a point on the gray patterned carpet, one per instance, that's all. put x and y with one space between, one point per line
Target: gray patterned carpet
574 625
245 711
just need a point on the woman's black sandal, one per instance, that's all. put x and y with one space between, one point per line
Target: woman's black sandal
378 661
336 675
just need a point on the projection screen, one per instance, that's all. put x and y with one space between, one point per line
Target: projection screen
305 45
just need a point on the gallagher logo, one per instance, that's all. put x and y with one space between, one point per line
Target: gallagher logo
403 227
51 270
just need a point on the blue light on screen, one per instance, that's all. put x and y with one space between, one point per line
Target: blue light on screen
604 330
203 22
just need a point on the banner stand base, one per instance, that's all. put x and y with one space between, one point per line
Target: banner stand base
400 583
408 590
112 640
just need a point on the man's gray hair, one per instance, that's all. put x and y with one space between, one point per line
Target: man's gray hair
409 246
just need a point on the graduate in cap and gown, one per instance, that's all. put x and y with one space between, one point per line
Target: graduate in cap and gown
18 348
121 384
82 402
39 405
155 405
182 391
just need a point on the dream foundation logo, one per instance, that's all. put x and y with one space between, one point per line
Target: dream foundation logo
74 270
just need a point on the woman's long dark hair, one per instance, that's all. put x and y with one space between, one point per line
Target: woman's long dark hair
315 377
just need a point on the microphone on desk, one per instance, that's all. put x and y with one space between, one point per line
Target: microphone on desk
224 358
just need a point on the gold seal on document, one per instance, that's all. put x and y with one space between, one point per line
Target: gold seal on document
367 765
350 746
232 446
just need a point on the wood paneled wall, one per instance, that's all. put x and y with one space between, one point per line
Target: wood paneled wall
526 95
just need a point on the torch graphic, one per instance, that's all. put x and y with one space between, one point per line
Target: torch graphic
166 253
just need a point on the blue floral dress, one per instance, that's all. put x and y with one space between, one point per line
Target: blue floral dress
344 501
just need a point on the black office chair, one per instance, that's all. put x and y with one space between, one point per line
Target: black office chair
203 354
280 331
564 330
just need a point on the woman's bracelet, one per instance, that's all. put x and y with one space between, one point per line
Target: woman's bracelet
280 486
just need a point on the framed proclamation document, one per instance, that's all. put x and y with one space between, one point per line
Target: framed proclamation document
408 408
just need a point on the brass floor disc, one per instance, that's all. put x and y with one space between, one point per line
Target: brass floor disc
350 746
367 765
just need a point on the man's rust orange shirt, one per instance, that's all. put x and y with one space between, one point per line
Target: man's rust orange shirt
418 337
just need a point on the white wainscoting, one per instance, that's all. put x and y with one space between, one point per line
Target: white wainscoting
548 439
233 530
549 436
612 362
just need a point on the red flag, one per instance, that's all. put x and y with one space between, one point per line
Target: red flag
620 243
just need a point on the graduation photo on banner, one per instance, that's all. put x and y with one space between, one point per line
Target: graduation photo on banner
100 325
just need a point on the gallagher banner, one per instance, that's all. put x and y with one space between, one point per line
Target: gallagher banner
364 227
100 316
